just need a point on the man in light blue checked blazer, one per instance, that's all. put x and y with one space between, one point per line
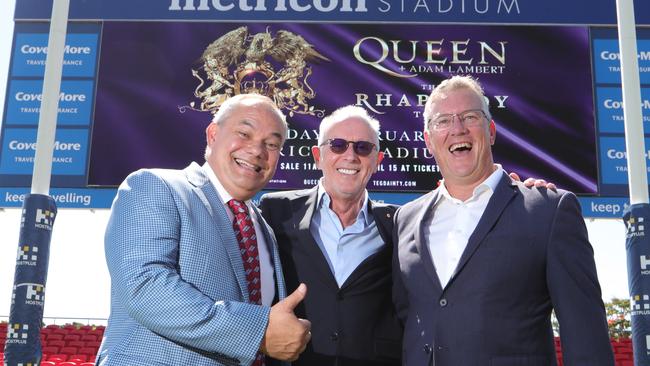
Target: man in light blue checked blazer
179 292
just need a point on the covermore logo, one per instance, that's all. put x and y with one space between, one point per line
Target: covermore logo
635 227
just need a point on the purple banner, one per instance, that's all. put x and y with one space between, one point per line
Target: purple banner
538 80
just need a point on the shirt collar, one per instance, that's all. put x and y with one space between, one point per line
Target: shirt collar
323 199
489 184
221 190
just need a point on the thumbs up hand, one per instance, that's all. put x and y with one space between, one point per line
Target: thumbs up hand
286 335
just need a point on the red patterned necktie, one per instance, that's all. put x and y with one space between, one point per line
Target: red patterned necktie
245 233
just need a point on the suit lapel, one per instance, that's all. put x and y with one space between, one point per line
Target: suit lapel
304 209
207 194
503 193
383 218
424 218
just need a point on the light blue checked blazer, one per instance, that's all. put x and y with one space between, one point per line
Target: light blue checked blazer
178 286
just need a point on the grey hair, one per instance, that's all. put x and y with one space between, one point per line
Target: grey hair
456 82
343 113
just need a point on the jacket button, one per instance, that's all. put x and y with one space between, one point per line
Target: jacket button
426 349
334 336
443 302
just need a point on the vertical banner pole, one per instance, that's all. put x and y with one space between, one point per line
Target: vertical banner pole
23 344
637 216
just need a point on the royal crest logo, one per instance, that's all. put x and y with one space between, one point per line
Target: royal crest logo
635 227
275 66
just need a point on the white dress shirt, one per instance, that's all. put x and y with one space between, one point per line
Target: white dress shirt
266 266
454 222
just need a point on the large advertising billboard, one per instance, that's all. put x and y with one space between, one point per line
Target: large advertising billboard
545 128
139 87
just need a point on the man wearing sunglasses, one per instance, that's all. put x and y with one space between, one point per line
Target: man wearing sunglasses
482 261
338 242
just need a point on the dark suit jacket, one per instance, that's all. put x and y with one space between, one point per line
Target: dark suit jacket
356 324
528 255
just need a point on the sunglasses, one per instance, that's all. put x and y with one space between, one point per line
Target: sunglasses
339 146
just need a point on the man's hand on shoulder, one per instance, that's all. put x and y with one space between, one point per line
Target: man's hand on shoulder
534 182
286 335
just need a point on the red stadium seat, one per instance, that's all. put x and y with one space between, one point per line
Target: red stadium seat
57 343
94 345
72 337
90 338
87 364
57 357
78 344
54 337
87 351
60 331
50 350
68 350
78 358
48 363
99 333
79 332
66 363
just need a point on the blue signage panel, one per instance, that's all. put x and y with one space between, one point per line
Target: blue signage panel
64 197
79 57
421 11
606 61
613 160
604 207
24 102
19 146
609 102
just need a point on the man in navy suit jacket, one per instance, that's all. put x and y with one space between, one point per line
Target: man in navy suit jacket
337 241
179 291
481 261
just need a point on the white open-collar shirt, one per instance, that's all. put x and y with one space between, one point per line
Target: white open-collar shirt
454 222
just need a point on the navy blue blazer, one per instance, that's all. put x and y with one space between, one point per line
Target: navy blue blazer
528 255
356 324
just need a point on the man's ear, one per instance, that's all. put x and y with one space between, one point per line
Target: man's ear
315 152
380 157
493 132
